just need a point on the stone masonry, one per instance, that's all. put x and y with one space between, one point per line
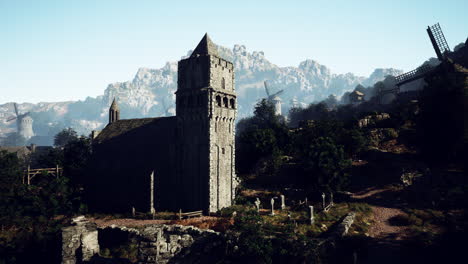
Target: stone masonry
206 112
191 154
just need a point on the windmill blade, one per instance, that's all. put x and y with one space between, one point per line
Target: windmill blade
266 89
277 93
11 118
16 108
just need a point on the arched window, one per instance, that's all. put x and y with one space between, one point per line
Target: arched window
218 100
225 102
232 103
223 83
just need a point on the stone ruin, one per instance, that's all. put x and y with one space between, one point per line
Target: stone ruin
155 243
79 241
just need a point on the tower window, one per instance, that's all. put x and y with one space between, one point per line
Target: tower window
233 103
223 83
218 100
225 102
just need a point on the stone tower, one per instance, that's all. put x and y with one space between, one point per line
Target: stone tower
25 128
206 111
114 112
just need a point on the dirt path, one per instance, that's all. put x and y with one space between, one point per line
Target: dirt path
382 215
204 222
386 246
381 228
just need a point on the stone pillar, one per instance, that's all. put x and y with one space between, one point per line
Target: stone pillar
311 213
152 211
323 201
257 205
282 202
272 206
81 234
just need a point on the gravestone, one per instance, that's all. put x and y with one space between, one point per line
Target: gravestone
272 206
311 213
323 201
257 205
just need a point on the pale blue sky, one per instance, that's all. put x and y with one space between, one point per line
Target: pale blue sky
67 50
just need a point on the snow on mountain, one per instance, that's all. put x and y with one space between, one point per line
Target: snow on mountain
151 92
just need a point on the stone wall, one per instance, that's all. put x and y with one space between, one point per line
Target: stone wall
155 243
79 241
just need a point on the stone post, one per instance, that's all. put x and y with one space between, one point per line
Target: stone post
272 206
152 211
311 213
323 201
282 202
257 204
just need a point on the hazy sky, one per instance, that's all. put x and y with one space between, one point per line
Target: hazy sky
67 50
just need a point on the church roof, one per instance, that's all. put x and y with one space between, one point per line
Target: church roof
205 47
123 126
114 105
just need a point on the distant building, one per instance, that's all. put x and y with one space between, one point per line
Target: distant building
356 97
25 126
170 163
28 154
277 104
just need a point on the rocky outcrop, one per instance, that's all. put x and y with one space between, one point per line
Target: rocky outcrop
372 119
343 227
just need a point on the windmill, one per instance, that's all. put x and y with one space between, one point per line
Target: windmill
442 51
23 123
274 98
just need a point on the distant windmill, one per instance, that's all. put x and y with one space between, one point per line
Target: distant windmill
23 123
274 98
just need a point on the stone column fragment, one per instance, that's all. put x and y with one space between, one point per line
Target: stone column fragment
272 206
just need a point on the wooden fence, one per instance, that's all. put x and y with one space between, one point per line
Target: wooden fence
29 174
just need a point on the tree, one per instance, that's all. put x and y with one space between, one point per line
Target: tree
76 155
10 171
65 136
325 164
265 135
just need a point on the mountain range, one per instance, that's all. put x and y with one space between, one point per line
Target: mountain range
151 93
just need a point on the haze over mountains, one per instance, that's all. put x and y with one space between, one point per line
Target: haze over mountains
151 93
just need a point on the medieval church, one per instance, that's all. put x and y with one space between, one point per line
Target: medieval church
170 163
